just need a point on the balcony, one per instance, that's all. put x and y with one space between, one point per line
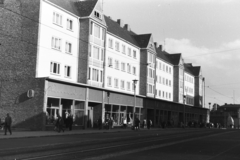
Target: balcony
95 62
150 80
95 84
96 40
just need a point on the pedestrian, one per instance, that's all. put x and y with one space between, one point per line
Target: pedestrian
8 124
149 123
125 122
99 122
70 122
60 124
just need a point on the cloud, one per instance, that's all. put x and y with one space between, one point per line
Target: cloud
199 1
219 65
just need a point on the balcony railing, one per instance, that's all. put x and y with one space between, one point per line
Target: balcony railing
95 62
95 84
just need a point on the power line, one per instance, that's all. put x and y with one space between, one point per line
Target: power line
219 92
213 53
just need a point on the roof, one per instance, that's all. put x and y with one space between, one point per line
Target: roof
81 8
229 107
163 55
114 28
85 7
175 58
143 40
191 69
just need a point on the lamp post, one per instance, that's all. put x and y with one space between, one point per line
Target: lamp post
184 100
209 112
134 106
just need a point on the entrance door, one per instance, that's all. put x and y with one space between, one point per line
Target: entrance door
90 117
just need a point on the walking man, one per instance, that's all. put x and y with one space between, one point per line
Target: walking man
8 123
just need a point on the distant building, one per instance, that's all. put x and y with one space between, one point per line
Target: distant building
221 114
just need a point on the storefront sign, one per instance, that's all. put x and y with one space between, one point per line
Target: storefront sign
66 91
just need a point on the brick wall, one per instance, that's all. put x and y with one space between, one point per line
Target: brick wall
83 51
143 73
175 84
18 50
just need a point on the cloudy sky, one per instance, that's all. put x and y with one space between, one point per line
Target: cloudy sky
206 32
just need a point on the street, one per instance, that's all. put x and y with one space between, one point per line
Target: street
164 144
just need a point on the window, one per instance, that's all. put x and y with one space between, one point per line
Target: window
123 49
116 83
90 50
128 68
134 54
110 43
96 52
55 68
69 24
150 57
122 84
159 93
170 83
109 81
103 34
163 81
170 70
128 86
89 73
123 67
117 46
102 54
150 88
67 72
167 82
166 95
163 67
109 62
163 94
57 18
101 76
68 48
167 69
98 15
116 64
150 72
56 43
169 95
95 75
97 31
129 52
134 71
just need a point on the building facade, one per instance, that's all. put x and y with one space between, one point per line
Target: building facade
62 57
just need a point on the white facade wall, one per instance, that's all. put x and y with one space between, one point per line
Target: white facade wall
114 71
189 84
164 80
48 50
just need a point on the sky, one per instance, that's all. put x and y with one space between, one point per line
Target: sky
206 32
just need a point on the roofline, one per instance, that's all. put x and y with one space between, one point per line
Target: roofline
122 39
164 61
47 1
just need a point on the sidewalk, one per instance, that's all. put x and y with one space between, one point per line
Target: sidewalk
31 134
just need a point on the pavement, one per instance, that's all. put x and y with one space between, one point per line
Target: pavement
32 134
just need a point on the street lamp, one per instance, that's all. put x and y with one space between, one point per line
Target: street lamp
209 112
134 106
184 100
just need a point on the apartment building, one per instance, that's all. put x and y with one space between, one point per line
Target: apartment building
61 57
164 75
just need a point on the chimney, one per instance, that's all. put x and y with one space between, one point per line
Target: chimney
120 22
160 47
156 44
127 27
109 17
